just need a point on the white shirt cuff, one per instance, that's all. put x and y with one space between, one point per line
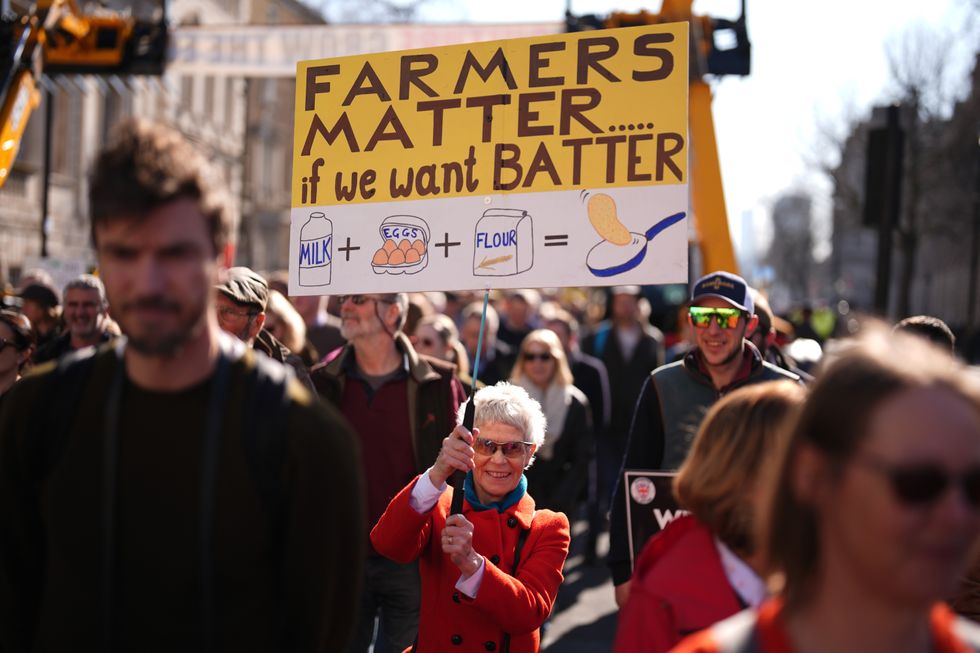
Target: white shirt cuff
425 495
470 586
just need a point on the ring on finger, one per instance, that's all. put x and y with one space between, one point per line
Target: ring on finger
450 539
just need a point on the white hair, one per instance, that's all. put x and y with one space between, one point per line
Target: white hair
509 404
87 282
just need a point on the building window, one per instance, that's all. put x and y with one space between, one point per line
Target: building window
186 91
230 99
209 109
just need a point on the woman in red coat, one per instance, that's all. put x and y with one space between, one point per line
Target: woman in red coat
491 574
872 511
702 567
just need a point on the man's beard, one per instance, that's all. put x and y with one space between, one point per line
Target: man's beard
359 328
166 345
85 331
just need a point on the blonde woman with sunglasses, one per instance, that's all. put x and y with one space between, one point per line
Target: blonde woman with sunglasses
489 575
560 473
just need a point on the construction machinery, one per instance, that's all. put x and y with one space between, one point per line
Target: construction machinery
54 37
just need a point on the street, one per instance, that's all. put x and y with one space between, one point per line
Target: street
584 618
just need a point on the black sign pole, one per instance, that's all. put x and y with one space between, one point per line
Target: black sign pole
456 506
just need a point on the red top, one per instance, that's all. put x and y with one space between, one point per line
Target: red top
773 637
382 424
679 587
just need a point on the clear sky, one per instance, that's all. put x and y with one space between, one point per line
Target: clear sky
812 62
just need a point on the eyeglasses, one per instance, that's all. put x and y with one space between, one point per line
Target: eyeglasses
727 318
229 313
544 357
358 300
510 449
916 484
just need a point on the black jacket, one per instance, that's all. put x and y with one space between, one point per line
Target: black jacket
279 584
626 377
267 343
558 483
590 377
55 349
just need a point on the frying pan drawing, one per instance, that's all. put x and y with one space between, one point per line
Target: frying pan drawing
607 259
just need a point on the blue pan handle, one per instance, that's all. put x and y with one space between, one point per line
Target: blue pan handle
663 224
640 255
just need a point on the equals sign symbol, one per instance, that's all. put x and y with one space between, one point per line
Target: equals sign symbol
556 240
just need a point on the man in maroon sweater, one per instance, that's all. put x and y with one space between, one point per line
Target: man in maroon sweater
401 405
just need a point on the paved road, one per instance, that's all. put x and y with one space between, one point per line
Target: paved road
584 618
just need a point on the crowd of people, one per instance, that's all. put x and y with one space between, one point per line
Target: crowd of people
271 472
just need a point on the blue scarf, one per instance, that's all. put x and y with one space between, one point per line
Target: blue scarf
512 497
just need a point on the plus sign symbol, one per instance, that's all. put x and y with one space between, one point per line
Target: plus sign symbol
446 244
347 249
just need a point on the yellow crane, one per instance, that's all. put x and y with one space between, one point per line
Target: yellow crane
55 37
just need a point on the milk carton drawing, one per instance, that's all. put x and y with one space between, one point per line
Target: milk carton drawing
315 251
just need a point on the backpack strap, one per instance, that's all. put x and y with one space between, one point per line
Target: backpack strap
61 389
264 433
209 471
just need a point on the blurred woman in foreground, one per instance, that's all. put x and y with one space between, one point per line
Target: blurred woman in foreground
704 567
489 575
873 509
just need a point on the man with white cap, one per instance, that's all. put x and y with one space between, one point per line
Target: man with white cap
676 396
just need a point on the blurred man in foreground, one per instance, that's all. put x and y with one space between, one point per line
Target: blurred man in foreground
192 493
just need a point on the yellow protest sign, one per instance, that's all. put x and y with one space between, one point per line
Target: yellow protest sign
395 151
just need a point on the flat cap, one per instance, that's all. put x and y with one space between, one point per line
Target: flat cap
245 286
43 293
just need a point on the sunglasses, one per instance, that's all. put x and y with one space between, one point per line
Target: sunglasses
230 313
544 357
510 449
727 318
917 484
358 300
4 342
